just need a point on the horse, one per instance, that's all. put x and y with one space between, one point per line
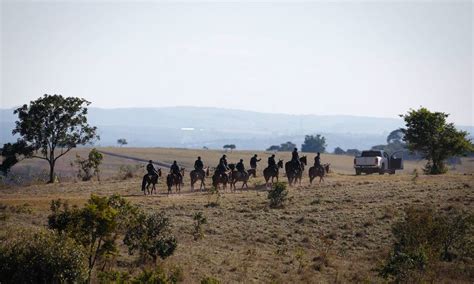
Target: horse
150 179
236 176
252 172
318 172
199 175
174 179
220 179
272 172
293 172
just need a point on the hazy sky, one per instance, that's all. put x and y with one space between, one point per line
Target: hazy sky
359 58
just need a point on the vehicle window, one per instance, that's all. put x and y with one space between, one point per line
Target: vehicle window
370 154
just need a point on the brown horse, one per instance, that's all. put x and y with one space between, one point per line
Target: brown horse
220 179
176 180
294 172
199 175
272 172
150 180
236 176
318 172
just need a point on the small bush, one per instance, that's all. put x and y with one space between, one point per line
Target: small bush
151 236
87 168
426 237
128 171
160 276
277 195
200 220
116 277
42 256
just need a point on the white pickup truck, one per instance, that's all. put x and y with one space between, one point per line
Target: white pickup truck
377 161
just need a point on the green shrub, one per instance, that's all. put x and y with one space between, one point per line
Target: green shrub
42 256
426 237
87 168
151 236
277 195
95 226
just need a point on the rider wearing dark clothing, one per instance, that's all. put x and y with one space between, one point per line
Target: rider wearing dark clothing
295 158
198 165
271 162
221 168
150 168
240 167
253 161
223 161
175 169
317 160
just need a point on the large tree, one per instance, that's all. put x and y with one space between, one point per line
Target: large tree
52 125
314 143
429 134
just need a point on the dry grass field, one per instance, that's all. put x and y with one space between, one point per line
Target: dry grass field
338 231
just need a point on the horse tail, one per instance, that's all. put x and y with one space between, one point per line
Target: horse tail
144 183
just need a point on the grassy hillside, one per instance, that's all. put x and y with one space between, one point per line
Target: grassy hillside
335 232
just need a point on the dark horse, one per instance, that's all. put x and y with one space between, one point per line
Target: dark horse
293 172
272 172
174 179
236 176
318 172
220 179
199 175
150 179
252 172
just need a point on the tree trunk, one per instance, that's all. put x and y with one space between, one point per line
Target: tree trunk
51 172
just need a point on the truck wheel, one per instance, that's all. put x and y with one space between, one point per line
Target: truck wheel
382 170
357 172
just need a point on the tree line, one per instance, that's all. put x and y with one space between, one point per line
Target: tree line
51 126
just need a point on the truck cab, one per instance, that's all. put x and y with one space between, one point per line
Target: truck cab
377 161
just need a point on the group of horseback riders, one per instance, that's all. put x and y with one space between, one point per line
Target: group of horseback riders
223 166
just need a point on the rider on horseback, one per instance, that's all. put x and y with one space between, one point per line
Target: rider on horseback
253 161
317 160
240 167
223 161
198 165
175 170
151 169
221 168
295 158
271 162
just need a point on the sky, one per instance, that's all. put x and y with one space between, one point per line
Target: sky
322 57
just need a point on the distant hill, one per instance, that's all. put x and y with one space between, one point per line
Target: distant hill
195 127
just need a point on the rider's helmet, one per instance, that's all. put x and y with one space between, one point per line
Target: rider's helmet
273 156
319 153
199 158
296 149
255 155
174 162
150 161
241 160
224 156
